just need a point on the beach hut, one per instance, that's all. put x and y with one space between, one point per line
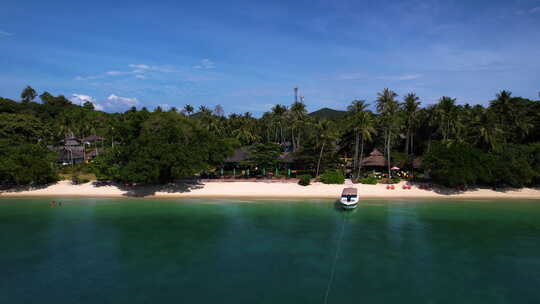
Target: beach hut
374 161
240 161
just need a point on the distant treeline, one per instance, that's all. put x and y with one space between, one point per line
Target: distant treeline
458 144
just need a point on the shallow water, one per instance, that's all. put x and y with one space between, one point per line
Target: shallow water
238 251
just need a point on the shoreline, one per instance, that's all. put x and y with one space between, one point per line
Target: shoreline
262 190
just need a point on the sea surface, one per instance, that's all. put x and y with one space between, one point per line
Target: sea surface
263 251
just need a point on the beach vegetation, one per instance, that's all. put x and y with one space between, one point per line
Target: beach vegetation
332 177
304 180
369 180
448 143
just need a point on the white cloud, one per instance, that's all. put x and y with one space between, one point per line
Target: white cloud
123 100
534 10
88 77
81 99
140 71
364 76
140 66
400 77
114 73
205 64
4 33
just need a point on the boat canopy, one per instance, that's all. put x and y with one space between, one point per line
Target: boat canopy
349 191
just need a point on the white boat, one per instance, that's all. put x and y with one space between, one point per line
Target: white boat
349 198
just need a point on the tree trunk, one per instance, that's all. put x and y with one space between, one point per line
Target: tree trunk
412 144
319 162
355 158
361 158
388 151
281 131
407 141
293 142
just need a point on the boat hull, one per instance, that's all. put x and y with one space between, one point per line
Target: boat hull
348 205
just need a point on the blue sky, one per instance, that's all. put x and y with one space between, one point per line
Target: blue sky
249 55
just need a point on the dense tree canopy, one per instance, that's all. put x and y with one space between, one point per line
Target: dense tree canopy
159 146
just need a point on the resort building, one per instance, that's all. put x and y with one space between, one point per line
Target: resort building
72 150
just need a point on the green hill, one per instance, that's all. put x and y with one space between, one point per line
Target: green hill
328 113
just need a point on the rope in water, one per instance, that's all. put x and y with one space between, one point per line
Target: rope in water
331 279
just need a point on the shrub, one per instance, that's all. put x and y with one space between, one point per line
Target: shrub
370 180
76 180
395 180
332 177
304 180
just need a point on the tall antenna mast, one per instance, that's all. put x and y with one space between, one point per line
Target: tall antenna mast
295 94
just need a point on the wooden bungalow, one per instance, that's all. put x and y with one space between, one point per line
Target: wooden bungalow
92 139
72 150
70 141
71 154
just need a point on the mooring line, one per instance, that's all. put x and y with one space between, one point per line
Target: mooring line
331 279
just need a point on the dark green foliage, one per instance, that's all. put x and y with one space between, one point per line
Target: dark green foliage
169 146
457 165
265 155
21 128
370 180
88 105
495 145
26 164
28 94
328 113
332 177
304 180
512 166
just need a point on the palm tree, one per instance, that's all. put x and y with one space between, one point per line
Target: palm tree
387 106
356 110
410 109
188 109
447 113
367 130
326 134
486 129
278 114
298 117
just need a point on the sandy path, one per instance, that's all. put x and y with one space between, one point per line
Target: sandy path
266 190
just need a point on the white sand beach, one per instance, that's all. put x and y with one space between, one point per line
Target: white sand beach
265 190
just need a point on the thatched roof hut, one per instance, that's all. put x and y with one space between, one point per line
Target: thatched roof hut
239 155
243 154
375 159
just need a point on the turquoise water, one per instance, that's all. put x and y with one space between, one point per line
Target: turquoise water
226 251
